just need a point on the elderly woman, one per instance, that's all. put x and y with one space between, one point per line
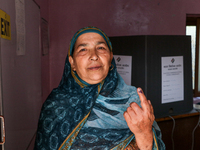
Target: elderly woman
92 108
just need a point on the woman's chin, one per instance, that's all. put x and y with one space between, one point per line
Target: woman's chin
95 80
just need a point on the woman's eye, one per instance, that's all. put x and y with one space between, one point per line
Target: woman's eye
82 50
101 47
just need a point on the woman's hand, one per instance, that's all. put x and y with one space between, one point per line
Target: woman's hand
140 121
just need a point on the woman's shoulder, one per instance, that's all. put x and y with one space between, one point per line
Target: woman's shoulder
124 90
124 87
56 99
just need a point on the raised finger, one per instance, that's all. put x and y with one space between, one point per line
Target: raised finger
143 99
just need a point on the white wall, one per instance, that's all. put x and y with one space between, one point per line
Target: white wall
21 78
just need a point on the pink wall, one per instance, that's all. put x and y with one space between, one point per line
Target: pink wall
44 10
21 78
115 18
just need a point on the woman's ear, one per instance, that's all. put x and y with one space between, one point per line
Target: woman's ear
71 61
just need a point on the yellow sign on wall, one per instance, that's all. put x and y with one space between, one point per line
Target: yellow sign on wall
5 28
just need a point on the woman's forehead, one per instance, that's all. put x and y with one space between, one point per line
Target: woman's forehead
88 30
90 37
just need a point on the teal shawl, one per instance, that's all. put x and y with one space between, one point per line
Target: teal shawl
77 115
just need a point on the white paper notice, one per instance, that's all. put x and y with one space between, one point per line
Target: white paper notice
20 26
172 79
124 67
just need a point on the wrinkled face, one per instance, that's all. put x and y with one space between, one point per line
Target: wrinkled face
91 58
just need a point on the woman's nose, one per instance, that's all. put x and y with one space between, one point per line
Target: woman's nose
94 55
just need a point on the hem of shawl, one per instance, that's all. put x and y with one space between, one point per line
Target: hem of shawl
125 143
122 145
155 145
69 140
77 80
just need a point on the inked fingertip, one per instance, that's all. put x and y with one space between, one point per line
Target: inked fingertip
140 91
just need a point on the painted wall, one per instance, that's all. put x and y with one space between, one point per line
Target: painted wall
45 74
115 18
21 78
65 17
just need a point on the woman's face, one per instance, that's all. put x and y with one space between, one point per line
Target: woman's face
91 58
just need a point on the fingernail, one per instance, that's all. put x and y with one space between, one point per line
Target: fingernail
140 91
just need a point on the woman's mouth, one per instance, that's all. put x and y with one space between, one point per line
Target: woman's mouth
94 67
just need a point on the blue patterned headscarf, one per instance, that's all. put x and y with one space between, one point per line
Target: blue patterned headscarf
87 30
77 115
